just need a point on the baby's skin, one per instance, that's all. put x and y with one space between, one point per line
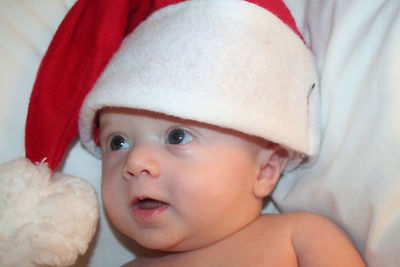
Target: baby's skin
283 240
194 192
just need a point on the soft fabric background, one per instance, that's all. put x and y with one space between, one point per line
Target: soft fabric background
355 180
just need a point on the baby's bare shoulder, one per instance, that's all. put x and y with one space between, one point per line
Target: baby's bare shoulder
318 241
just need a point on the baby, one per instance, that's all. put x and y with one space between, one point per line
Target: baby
195 118
195 191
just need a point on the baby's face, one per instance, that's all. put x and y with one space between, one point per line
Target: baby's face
173 185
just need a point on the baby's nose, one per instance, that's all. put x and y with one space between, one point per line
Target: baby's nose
141 161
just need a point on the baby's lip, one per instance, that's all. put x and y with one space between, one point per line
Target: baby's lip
146 209
147 203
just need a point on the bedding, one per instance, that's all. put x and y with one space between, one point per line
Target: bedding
355 180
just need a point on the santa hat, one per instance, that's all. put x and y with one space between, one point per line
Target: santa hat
237 64
231 63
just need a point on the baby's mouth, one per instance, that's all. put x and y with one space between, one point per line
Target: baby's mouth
148 204
148 209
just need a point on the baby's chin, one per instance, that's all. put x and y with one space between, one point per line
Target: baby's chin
173 237
170 245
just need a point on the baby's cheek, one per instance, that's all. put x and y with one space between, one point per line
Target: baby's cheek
106 193
202 195
114 202
111 194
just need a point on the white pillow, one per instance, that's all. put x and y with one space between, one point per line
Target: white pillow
356 179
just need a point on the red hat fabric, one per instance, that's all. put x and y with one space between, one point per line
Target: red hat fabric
81 49
84 43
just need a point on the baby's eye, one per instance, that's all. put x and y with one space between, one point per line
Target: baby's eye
178 137
118 142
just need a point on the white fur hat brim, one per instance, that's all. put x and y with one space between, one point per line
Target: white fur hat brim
224 62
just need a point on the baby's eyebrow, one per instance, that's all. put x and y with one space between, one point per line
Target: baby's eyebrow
104 128
104 123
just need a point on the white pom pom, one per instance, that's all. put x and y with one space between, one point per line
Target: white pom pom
44 219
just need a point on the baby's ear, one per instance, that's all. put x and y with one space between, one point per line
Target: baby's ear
272 161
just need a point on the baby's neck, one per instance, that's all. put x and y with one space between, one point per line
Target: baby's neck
239 249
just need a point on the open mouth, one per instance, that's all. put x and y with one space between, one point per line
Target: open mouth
148 204
146 208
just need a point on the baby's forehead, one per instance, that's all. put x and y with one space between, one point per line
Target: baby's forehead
120 114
